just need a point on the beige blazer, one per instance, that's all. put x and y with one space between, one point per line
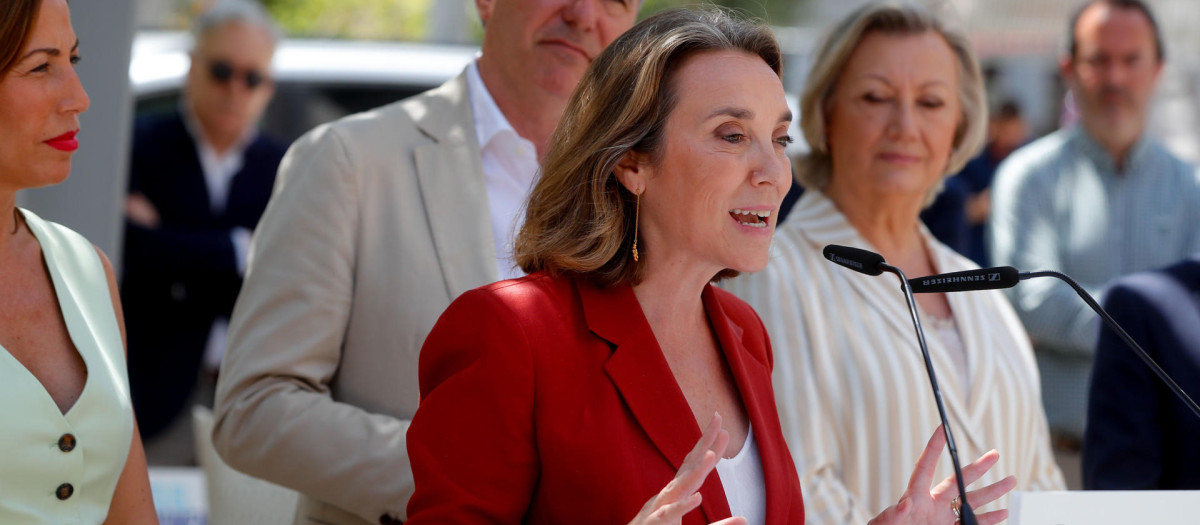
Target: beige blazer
850 383
376 223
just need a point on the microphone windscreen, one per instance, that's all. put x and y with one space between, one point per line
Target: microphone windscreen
967 281
857 259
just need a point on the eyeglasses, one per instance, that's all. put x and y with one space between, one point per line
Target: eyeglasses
224 72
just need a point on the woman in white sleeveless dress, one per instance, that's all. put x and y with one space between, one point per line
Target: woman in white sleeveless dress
71 452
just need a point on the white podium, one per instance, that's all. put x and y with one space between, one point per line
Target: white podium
1103 507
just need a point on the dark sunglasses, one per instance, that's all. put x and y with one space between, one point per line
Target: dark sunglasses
223 72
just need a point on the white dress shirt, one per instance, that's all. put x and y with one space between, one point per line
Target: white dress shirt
510 164
219 171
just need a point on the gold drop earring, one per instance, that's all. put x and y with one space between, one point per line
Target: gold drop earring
636 212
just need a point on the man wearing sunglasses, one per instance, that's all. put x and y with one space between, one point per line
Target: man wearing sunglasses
200 178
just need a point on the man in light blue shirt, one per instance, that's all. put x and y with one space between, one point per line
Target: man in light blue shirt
1095 201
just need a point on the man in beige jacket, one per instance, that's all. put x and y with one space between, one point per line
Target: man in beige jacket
377 222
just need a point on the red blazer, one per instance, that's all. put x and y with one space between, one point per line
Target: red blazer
548 400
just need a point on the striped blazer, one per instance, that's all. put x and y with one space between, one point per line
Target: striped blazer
850 383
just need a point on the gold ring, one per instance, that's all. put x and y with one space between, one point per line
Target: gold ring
956 506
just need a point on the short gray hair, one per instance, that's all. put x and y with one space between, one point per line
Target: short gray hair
894 18
223 12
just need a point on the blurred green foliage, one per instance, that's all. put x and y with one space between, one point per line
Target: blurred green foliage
406 19
775 12
358 19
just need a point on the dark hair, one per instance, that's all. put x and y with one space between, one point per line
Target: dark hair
16 23
579 219
1008 109
1134 5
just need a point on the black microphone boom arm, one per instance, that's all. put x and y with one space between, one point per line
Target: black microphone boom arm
871 263
966 280
1112 324
965 510
1007 277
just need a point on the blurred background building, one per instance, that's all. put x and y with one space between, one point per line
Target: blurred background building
1018 40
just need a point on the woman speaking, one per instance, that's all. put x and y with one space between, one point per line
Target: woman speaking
578 393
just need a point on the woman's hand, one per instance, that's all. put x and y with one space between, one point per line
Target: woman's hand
922 505
681 495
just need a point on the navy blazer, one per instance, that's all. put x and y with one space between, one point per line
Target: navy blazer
178 278
1139 435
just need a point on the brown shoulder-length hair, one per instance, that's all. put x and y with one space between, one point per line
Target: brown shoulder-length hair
579 218
16 23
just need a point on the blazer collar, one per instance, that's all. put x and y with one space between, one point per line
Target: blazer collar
819 222
641 374
453 190
444 113
977 326
752 375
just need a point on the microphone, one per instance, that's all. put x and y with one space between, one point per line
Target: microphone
856 259
1007 277
966 281
871 263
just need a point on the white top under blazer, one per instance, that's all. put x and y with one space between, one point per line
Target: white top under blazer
742 478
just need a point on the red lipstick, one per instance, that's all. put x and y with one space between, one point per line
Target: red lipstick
64 142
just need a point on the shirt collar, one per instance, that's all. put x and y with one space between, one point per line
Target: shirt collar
489 120
1094 151
819 219
192 124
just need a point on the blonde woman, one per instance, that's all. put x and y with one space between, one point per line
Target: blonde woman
893 105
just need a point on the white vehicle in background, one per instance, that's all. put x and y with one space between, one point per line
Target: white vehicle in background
317 81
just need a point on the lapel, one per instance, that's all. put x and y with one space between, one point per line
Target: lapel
242 196
450 174
255 168
753 379
1186 277
640 373
822 223
976 326
187 177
